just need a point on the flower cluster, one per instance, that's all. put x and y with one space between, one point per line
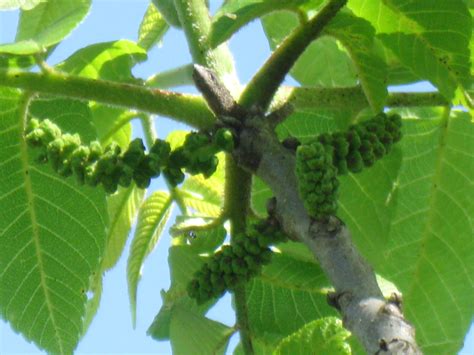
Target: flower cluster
235 264
364 143
320 161
317 179
110 167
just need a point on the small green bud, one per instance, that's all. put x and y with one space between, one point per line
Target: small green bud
224 140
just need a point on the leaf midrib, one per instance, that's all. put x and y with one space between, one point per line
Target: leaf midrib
23 110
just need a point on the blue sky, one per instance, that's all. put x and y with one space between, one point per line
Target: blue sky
111 332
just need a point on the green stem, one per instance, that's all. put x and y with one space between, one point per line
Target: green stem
237 205
194 17
265 83
148 130
180 76
354 97
189 109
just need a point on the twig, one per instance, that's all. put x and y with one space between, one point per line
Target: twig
189 109
265 83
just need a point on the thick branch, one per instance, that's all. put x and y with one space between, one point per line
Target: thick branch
378 325
265 83
189 109
353 97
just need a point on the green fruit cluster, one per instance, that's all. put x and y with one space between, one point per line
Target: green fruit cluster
110 167
198 154
235 264
320 161
317 179
364 143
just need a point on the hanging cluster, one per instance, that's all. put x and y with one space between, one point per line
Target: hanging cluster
237 263
317 179
364 143
318 162
110 167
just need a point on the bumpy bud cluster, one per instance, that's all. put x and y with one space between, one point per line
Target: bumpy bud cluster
318 162
111 167
362 144
198 154
317 179
236 263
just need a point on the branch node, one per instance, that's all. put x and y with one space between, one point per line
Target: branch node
328 228
218 97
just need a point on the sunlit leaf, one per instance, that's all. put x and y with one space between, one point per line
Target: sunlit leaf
22 4
152 217
236 13
287 295
108 60
52 231
357 35
123 207
183 262
152 28
323 63
192 333
46 24
430 253
430 37
322 336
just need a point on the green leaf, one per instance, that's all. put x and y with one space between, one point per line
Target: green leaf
110 61
235 14
113 124
19 4
168 10
107 60
206 196
430 253
260 346
46 24
183 262
207 241
357 35
324 62
204 235
21 48
152 28
322 336
287 295
52 231
430 37
152 217
93 303
123 207
193 333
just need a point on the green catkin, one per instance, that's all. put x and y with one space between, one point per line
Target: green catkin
236 263
317 181
318 162
110 167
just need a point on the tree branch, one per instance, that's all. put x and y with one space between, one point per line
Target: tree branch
336 98
378 325
189 109
265 83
